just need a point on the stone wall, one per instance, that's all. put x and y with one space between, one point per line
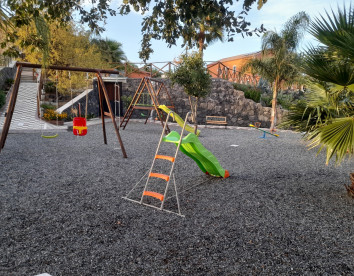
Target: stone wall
6 73
93 109
224 100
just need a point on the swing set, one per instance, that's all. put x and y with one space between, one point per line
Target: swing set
80 122
147 97
57 106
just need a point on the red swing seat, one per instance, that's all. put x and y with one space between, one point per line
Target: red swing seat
79 126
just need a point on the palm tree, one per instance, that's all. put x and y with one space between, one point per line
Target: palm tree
278 64
111 50
203 32
328 120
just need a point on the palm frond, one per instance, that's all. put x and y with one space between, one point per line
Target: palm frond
294 30
263 67
337 138
319 65
315 111
336 31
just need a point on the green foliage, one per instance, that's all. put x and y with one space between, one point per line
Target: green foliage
285 101
278 64
42 14
191 74
327 115
49 87
126 101
48 106
266 100
9 82
111 50
2 98
337 137
337 32
251 92
192 21
316 110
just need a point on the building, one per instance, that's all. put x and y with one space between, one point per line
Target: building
230 68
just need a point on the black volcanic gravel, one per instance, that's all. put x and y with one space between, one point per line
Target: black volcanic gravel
281 212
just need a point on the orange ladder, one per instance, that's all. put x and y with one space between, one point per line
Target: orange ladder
166 177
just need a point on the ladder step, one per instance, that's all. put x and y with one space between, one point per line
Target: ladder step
165 157
153 194
160 175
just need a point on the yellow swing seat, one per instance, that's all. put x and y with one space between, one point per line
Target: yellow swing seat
80 128
49 136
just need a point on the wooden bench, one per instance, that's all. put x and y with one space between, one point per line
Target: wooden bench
215 120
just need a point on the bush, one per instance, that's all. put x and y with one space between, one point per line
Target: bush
48 106
285 101
52 115
2 98
126 101
252 93
49 87
9 82
266 100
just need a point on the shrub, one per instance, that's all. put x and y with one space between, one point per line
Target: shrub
48 106
252 93
52 115
285 101
49 87
126 101
266 100
9 82
2 98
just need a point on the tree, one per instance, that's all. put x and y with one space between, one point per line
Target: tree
192 75
111 50
203 31
170 20
70 46
279 58
328 118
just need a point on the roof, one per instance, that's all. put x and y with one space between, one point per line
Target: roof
249 55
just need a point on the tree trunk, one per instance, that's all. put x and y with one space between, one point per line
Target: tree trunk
194 106
191 104
195 116
273 116
201 39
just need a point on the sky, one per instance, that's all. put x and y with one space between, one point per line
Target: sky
127 30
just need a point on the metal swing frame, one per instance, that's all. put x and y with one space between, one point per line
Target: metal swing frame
102 92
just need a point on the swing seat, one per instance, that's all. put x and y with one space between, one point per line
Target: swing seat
79 126
49 137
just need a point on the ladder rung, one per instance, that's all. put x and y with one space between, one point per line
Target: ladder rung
153 194
165 157
160 175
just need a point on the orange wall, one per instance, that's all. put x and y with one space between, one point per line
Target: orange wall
239 61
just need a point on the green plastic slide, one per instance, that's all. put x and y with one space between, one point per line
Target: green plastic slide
193 148
178 119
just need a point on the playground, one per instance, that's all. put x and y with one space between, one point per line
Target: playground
281 211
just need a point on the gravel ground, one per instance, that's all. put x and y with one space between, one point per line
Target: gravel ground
281 212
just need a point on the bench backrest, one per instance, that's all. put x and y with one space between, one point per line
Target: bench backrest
218 120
